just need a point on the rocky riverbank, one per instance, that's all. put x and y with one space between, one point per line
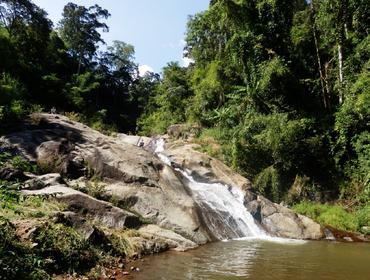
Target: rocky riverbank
113 192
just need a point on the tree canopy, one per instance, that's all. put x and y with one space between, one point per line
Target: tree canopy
282 86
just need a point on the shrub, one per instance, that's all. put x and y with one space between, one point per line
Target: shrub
336 216
23 165
9 197
73 116
12 92
65 247
209 141
36 108
16 260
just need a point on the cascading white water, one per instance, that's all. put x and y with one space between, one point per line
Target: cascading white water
222 206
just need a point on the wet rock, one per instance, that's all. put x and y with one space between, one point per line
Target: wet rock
283 222
133 139
328 234
174 240
148 246
254 208
345 236
205 168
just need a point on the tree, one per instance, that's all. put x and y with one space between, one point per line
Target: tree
169 102
118 71
15 14
79 30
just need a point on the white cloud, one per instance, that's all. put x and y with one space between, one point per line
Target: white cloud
182 43
169 46
144 69
186 61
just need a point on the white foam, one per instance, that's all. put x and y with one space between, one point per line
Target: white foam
279 240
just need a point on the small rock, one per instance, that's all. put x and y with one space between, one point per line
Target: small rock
135 269
347 238
126 273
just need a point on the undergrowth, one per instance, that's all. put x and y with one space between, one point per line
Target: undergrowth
357 220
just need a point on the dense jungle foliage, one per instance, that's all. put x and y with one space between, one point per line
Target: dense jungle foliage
281 88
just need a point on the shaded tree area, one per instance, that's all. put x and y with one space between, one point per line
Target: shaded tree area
283 87
43 67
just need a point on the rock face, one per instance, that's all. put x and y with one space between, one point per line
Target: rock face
205 168
134 177
138 182
275 219
283 222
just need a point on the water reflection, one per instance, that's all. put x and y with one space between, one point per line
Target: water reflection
261 260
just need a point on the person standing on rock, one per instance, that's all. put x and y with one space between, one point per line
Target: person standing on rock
141 143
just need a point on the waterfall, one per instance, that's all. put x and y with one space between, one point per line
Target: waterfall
222 207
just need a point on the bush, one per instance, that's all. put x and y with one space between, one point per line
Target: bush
23 165
12 107
65 247
273 149
209 141
336 216
9 196
16 260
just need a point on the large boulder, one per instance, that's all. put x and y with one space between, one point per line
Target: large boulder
169 206
203 167
100 211
283 222
174 240
183 131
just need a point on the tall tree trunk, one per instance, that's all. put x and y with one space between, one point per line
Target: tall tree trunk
327 86
341 22
340 63
322 77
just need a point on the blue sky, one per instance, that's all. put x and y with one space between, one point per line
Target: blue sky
156 28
